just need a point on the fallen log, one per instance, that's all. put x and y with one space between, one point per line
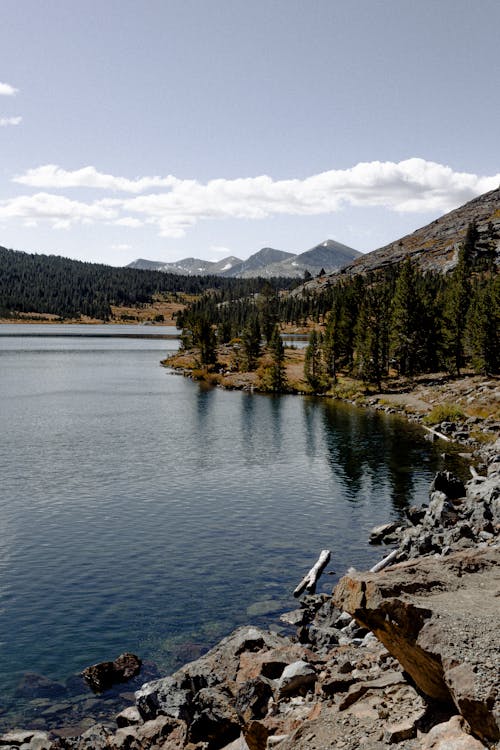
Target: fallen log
437 434
385 562
310 579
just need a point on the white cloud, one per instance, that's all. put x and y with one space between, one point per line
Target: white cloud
413 185
410 186
51 177
60 211
122 246
5 121
129 221
7 90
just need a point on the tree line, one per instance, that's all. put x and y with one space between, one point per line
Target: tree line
68 288
398 320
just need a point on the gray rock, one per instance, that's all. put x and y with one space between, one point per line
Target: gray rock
296 676
165 697
450 485
379 533
25 739
215 720
128 717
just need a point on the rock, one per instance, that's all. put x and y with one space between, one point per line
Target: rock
270 663
215 720
441 512
336 682
450 735
256 736
415 514
27 740
446 482
296 617
165 697
434 615
128 717
296 676
34 685
102 676
379 533
402 730
253 698
97 737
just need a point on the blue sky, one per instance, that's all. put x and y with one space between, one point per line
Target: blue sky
171 128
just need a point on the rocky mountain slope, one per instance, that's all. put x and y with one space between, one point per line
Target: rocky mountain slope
330 256
433 247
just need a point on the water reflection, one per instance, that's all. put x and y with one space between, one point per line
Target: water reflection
364 446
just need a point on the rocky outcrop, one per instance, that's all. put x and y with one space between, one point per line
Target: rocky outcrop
440 618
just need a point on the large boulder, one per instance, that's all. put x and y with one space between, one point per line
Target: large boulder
440 618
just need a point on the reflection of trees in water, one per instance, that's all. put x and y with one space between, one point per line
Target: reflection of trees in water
275 410
310 413
261 425
205 398
360 443
250 424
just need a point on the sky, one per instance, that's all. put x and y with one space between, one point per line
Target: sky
166 129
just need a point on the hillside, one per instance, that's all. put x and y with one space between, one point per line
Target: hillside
434 247
268 262
49 284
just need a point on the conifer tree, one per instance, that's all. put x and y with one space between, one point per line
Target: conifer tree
275 375
405 321
457 305
250 340
371 337
483 327
314 371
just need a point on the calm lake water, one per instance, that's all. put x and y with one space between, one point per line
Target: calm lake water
141 512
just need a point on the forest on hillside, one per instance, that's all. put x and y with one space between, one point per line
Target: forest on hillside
397 319
33 283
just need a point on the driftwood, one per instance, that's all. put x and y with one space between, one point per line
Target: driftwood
437 434
385 562
310 580
476 476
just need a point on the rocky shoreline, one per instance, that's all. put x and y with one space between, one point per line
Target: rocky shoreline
407 656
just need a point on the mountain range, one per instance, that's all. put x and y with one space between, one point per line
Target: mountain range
329 256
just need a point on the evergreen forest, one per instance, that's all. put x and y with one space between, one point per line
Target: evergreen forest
397 320
32 283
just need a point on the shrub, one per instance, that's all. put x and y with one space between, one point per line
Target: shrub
444 413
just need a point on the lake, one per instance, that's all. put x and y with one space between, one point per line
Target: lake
143 512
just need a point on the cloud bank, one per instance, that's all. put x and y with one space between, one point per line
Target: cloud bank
409 186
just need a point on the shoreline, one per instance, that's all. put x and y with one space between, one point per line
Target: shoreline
349 678
463 410
335 684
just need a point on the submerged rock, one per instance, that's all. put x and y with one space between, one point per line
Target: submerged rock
102 676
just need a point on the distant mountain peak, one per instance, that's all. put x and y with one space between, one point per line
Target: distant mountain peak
268 261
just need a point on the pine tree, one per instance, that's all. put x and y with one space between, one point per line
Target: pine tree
371 337
275 374
405 336
457 302
314 371
203 336
250 340
483 327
